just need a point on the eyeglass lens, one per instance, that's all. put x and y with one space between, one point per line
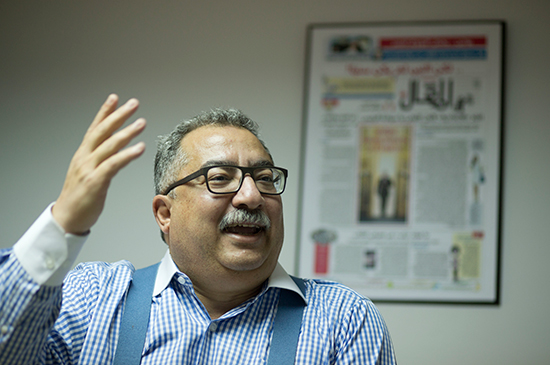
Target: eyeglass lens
226 179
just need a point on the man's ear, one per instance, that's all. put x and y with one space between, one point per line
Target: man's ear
162 205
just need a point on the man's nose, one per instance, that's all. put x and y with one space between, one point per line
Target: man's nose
248 195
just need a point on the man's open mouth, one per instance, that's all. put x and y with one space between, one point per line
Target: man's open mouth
245 222
244 229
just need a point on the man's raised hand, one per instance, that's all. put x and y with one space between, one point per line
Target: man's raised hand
100 156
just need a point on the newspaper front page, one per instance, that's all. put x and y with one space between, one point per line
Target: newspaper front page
401 168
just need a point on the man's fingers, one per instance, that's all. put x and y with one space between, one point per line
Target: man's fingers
117 142
102 129
83 196
111 166
107 108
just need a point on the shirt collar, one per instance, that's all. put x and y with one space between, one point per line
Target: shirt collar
278 279
167 269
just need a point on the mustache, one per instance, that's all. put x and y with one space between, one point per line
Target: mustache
245 216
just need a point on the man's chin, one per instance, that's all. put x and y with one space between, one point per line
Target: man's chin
243 266
245 260
249 252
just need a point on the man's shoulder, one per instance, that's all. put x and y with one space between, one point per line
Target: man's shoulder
331 291
102 273
105 266
334 304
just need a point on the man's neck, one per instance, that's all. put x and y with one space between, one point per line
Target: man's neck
221 293
219 302
221 289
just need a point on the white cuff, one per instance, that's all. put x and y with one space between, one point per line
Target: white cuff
46 252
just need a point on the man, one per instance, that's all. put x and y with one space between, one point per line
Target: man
384 185
215 296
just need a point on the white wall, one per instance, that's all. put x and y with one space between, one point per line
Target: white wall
60 59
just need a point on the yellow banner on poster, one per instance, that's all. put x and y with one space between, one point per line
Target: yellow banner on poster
359 86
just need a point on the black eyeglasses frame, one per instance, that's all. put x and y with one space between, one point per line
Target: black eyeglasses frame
245 170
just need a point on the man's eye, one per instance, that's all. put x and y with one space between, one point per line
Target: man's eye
265 178
219 177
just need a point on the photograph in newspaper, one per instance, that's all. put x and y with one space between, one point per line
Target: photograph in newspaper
401 165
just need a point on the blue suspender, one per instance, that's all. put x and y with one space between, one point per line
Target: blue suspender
135 319
286 327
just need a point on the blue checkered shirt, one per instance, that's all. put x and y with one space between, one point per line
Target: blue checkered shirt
78 322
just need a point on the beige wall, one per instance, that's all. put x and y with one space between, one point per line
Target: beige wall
60 59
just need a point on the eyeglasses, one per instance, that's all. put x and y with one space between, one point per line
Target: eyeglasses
228 179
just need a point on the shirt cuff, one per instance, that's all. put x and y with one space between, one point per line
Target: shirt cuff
46 252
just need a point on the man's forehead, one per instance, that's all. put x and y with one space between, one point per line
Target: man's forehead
213 144
230 162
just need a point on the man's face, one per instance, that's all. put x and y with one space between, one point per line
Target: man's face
198 246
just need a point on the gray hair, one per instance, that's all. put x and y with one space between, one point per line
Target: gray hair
171 158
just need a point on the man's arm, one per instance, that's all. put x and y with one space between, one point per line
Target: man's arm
27 312
31 298
366 339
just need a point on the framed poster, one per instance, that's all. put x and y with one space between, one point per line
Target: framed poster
401 164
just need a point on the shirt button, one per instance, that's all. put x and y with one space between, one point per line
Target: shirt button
213 326
181 280
4 329
50 264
